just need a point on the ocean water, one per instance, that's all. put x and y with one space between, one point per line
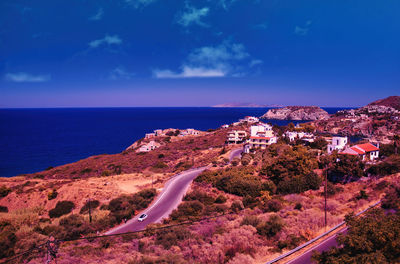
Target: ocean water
31 140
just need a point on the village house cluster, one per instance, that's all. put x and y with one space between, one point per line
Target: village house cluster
152 144
262 135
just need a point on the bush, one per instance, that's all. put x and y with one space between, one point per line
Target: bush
333 189
392 198
62 208
3 209
188 210
93 204
171 236
272 206
220 199
236 206
298 206
250 202
362 195
52 195
7 239
251 220
290 242
389 166
4 191
160 165
271 227
202 197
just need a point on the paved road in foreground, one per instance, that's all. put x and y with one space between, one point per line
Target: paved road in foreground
167 201
325 245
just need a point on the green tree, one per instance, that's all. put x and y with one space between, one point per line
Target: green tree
374 238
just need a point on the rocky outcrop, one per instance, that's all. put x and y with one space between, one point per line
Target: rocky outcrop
391 101
297 113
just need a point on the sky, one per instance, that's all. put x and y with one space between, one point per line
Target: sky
128 53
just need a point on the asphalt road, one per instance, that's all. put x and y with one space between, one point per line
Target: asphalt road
167 201
325 245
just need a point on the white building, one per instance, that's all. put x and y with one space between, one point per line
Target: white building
250 119
366 150
292 136
192 132
152 145
225 126
236 137
338 143
150 135
261 135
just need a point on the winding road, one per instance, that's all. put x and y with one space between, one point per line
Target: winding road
167 201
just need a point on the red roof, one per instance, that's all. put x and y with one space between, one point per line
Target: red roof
367 147
359 151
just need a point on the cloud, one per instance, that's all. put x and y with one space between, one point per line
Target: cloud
120 73
193 16
26 77
226 4
211 61
98 15
189 72
303 31
255 62
107 40
139 3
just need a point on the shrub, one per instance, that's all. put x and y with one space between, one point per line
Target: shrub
251 220
389 166
87 170
4 191
160 165
202 197
160 156
298 206
93 204
272 206
3 209
362 195
242 185
269 186
7 239
236 206
188 210
271 227
290 242
333 189
392 198
250 202
62 208
171 236
220 199
52 195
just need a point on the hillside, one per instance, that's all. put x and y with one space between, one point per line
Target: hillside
297 113
391 101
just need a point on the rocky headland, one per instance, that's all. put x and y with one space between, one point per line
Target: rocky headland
297 113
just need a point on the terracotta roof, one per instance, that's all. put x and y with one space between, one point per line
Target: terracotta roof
367 147
358 150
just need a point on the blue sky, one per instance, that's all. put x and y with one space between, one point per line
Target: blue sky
198 53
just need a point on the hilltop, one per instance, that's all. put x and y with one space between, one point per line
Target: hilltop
391 101
297 113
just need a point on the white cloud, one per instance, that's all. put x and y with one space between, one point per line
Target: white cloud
303 31
211 61
26 77
108 40
189 72
139 3
98 15
226 3
193 16
255 62
120 73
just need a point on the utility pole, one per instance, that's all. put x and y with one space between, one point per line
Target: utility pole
326 194
90 212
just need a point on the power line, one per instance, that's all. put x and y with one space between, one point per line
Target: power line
125 233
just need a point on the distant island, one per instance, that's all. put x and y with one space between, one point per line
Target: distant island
297 113
246 105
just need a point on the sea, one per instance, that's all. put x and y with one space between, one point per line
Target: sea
32 140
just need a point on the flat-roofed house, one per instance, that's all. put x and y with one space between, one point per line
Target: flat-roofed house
152 145
338 143
261 135
236 136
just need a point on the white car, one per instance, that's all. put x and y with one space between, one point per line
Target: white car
142 217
